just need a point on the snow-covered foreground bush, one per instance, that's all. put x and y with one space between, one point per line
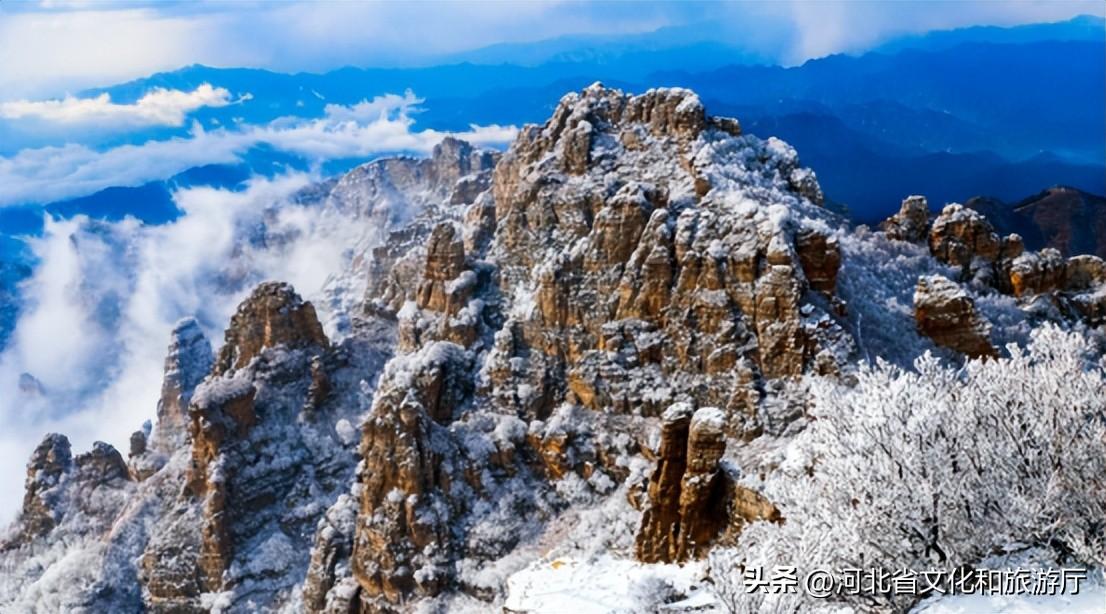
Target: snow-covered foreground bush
938 468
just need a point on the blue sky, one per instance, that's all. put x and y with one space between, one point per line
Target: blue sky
51 47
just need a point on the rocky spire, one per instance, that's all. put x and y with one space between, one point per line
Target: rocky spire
89 488
597 245
50 462
960 235
273 315
690 499
188 361
403 523
911 223
246 452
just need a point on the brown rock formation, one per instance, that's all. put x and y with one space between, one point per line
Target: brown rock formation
691 501
422 187
1084 273
400 528
49 463
657 538
960 235
702 489
219 418
1085 288
186 364
1036 272
911 223
273 315
602 250
945 313
445 261
820 257
88 488
331 549
243 455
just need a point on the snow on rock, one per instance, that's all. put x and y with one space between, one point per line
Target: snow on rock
188 361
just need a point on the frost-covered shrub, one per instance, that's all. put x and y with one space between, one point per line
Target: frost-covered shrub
652 591
939 467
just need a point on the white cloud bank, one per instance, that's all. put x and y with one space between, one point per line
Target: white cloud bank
380 125
158 107
105 296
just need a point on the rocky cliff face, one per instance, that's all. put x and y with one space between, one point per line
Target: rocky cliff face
679 277
188 361
1044 282
547 330
692 499
1068 220
946 314
521 336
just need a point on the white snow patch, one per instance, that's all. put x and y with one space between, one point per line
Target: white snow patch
1091 599
604 585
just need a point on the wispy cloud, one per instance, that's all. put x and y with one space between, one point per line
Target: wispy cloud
158 107
380 125
102 301
71 45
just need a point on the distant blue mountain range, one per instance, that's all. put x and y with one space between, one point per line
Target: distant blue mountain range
954 114
999 112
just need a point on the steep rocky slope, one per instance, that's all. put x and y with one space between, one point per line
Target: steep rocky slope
1064 218
597 323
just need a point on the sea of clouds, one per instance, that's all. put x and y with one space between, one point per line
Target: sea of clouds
104 296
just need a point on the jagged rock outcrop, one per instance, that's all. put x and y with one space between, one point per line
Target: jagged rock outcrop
820 257
963 236
960 235
657 538
1036 272
911 223
580 287
946 314
1085 288
246 453
400 529
273 315
329 586
221 417
633 280
378 192
188 361
49 463
142 462
445 261
690 499
83 492
398 262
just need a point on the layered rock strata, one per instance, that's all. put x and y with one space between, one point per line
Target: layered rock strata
691 499
945 313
